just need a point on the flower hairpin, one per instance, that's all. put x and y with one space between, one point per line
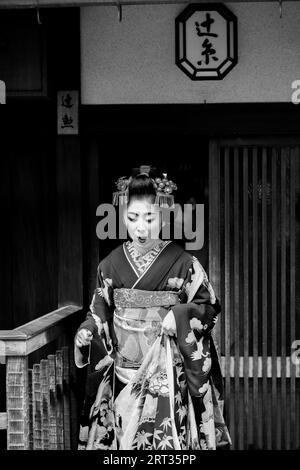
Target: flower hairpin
164 190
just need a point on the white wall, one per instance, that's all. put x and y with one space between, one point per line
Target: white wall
133 61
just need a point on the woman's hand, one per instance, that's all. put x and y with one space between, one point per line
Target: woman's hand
169 324
83 338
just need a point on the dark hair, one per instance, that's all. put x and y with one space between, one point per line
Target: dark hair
141 186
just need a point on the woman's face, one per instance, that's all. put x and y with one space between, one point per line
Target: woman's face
142 220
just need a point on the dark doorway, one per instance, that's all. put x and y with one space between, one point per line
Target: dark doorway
182 155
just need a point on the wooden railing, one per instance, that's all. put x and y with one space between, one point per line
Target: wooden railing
41 409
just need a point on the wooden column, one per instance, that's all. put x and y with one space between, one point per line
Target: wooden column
17 403
37 408
214 230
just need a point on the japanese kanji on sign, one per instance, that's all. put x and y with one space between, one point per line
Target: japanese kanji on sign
67 112
206 41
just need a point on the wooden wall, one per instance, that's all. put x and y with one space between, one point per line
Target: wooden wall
40 172
40 176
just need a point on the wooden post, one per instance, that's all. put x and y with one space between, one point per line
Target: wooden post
214 230
37 413
17 403
45 403
52 403
59 406
30 407
66 391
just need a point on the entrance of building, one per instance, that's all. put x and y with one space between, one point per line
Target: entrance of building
251 190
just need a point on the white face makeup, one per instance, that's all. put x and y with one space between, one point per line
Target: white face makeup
142 220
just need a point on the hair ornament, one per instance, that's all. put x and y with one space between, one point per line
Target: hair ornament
121 195
164 189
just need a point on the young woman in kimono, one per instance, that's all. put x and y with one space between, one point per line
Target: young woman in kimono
154 379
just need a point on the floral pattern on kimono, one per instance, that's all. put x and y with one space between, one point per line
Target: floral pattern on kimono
196 386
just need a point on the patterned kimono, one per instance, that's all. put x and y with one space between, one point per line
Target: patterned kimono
146 390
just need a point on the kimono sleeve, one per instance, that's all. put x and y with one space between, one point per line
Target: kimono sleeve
195 317
198 301
98 321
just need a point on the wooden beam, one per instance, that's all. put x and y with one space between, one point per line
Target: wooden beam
82 3
236 367
3 420
33 335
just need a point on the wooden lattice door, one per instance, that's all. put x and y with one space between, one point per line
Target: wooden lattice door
254 248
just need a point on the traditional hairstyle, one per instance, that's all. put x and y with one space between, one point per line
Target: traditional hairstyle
143 185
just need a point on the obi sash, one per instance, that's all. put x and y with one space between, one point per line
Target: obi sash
138 317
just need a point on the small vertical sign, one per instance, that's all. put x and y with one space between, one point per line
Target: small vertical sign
2 92
67 112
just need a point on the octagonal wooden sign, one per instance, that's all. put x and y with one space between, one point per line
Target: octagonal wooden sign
206 41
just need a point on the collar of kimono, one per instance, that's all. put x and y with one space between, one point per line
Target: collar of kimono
127 277
143 252
142 263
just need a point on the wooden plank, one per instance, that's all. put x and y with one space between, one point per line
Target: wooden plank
52 403
30 408
66 398
293 172
85 3
37 333
248 432
3 421
297 274
214 230
17 403
280 363
266 428
288 298
256 421
44 323
283 289
227 331
37 408
60 402
68 173
261 141
74 415
238 422
274 281
33 287
45 403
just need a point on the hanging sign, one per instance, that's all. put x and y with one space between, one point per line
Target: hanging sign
2 92
67 112
206 41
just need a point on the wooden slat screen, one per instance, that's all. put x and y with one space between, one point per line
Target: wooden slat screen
253 240
49 416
